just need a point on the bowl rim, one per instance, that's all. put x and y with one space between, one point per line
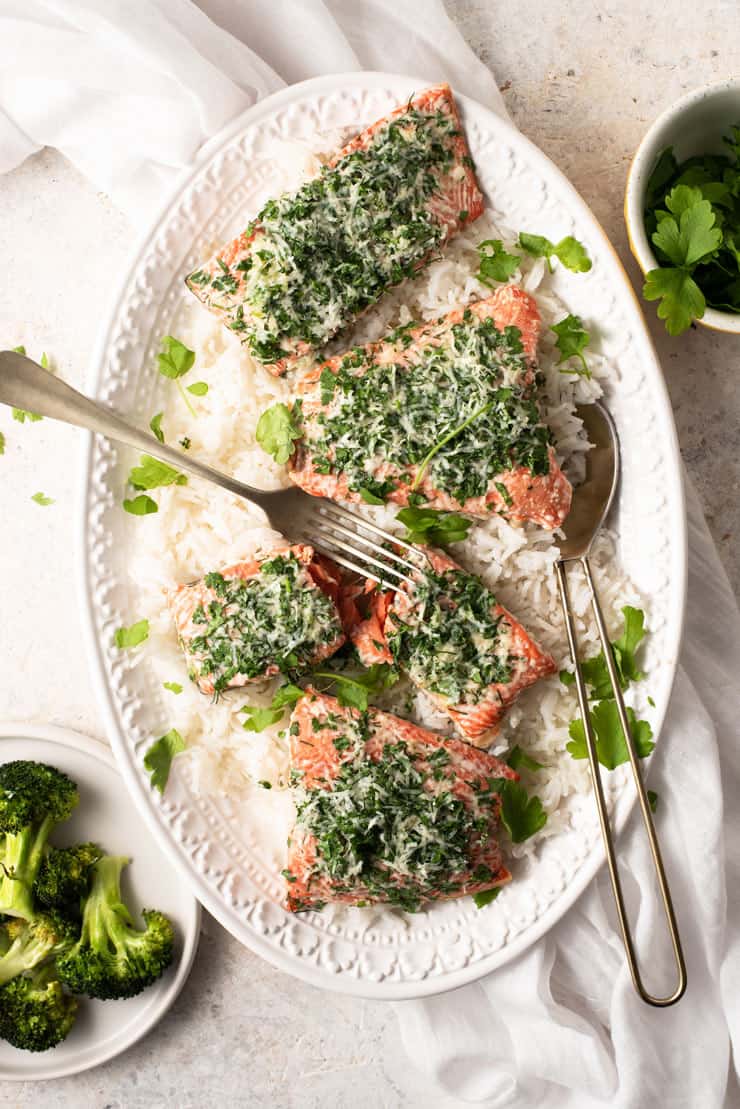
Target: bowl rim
641 166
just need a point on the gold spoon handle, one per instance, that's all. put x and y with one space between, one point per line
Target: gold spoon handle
599 792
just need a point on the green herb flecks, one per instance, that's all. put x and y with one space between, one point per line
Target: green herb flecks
276 618
316 258
454 414
450 641
42 499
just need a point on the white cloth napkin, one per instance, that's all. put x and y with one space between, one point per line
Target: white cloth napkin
130 91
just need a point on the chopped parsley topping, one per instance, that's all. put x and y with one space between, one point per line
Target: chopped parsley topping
454 412
450 642
381 829
278 617
317 257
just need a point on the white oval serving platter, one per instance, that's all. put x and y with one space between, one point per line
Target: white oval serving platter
390 955
106 815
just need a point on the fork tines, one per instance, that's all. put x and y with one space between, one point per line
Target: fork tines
346 537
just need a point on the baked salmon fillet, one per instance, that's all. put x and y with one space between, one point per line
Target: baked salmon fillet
258 618
456 643
387 812
440 415
314 259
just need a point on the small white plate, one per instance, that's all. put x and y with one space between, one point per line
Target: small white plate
107 815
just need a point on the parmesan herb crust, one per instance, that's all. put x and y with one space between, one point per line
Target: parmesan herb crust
319 256
450 641
457 411
277 618
393 826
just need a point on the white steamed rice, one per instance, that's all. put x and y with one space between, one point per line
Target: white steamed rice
200 528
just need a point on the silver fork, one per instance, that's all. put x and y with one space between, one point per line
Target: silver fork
352 541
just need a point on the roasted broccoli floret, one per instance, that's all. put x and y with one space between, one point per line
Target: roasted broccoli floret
35 1012
113 959
33 799
24 945
63 879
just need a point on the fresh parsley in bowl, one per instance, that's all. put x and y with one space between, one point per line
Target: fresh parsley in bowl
682 208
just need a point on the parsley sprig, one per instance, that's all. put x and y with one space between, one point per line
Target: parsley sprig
692 215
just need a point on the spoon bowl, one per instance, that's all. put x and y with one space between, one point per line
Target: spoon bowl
593 498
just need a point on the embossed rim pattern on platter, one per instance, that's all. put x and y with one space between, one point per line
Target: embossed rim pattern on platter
453 943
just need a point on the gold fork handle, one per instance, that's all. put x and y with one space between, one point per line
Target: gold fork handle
601 801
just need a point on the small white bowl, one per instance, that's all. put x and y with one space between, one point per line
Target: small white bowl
693 125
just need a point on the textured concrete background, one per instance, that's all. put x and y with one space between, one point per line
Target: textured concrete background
583 79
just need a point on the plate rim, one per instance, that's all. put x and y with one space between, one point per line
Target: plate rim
594 860
95 749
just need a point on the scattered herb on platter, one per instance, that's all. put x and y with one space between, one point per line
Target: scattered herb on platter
142 505
520 760
521 815
158 759
611 745
569 251
172 687
433 527
485 897
155 425
692 217
354 691
257 719
572 340
42 499
174 361
2 443
133 636
198 389
653 799
496 264
152 474
277 431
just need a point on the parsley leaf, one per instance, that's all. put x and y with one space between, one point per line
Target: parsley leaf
260 718
172 687
155 425
198 389
151 474
496 264
158 759
354 692
430 526
328 382
485 897
142 505
689 234
42 499
665 170
276 432
518 758
682 301
521 815
569 251
176 359
653 799
572 340
594 670
133 636
370 498
611 746
2 443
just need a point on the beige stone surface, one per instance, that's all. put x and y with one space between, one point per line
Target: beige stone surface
583 80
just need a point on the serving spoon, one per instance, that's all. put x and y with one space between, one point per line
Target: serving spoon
591 503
